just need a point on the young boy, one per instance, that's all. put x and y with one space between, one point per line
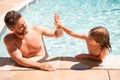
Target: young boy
98 41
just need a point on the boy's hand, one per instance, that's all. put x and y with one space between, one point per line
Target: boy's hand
81 56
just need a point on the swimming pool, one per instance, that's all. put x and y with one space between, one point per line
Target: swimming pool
80 16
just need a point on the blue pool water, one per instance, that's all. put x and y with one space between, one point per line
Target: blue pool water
78 15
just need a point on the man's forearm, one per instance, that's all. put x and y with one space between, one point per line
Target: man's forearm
28 63
33 64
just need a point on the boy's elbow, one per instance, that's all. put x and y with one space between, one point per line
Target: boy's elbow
100 59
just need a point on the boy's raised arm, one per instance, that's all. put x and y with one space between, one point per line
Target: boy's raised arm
67 30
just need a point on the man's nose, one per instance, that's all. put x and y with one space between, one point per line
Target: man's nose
25 26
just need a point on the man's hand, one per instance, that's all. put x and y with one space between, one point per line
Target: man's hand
46 67
56 18
57 21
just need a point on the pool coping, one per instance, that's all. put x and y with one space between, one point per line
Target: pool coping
67 68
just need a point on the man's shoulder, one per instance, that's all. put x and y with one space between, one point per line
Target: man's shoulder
9 37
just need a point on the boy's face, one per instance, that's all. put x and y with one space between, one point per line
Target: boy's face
92 41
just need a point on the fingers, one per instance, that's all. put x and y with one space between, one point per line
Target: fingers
47 67
56 18
78 56
56 15
50 68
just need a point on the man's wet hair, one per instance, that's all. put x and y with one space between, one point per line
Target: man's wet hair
11 18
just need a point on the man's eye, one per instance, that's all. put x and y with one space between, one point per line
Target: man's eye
22 26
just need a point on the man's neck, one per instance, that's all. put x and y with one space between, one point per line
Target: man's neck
20 36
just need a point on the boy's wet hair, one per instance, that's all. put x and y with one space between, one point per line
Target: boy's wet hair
101 35
11 18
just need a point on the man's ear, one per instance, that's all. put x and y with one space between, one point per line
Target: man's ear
12 29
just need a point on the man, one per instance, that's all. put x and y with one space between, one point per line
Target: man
25 41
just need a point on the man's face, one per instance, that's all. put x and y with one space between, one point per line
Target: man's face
20 27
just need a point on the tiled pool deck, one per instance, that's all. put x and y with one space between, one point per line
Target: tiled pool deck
67 68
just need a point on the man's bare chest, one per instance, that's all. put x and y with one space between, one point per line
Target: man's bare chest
30 45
